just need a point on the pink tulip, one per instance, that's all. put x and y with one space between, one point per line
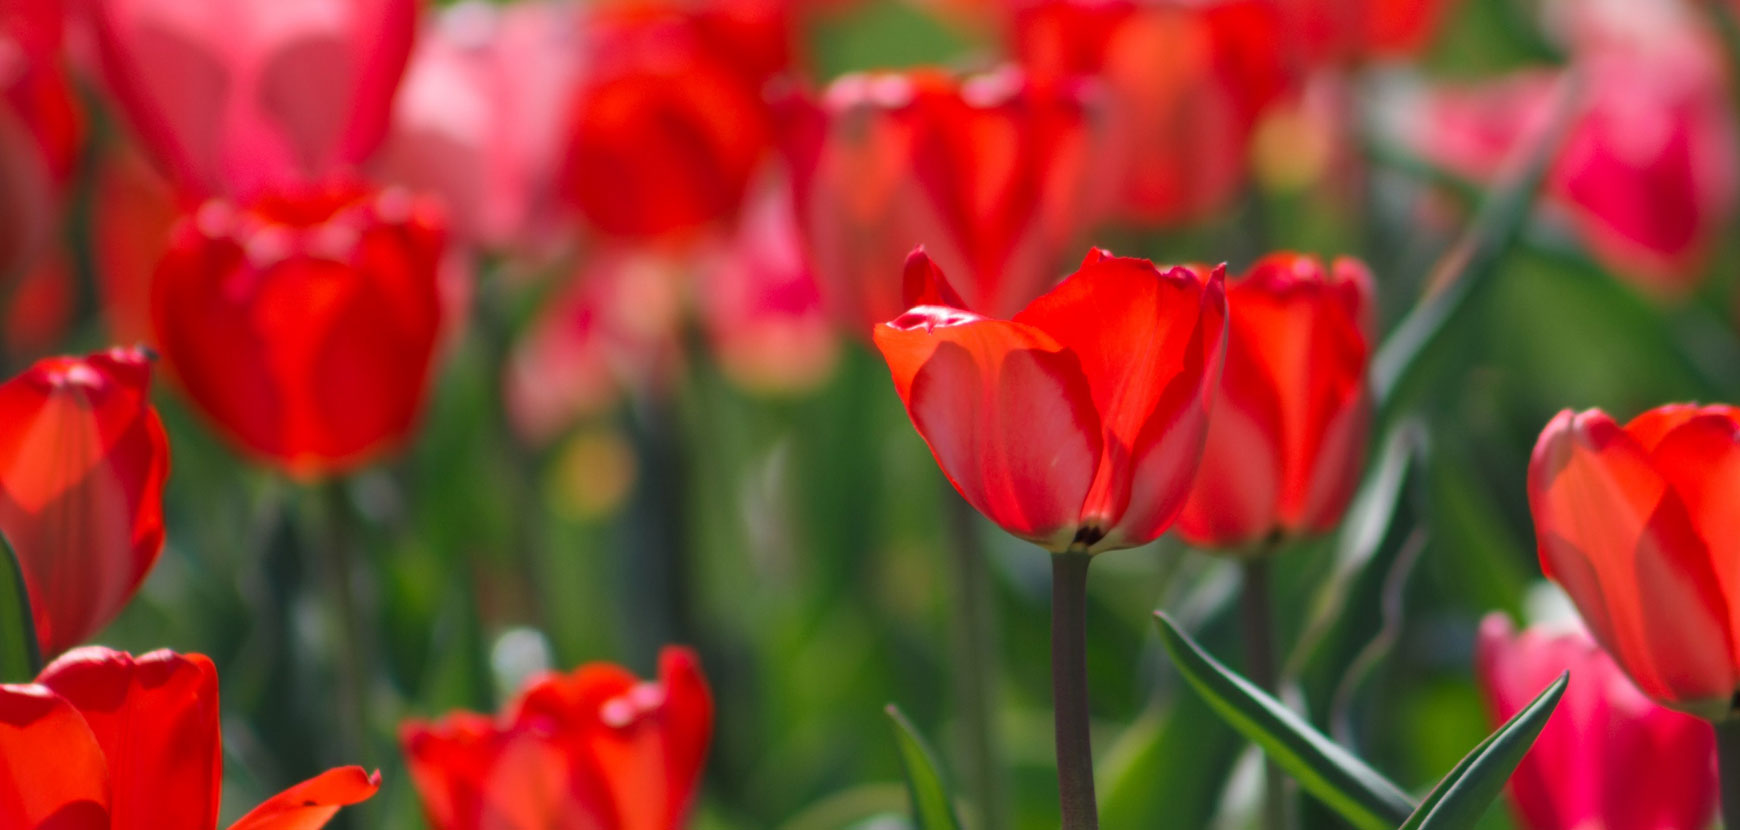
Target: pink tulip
1609 757
234 96
480 117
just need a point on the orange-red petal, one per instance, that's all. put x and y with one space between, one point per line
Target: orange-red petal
52 773
312 803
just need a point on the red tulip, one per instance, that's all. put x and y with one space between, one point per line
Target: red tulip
670 123
479 117
1345 31
1078 424
595 749
1187 81
994 175
762 306
1648 174
41 131
134 745
234 97
83 459
1636 523
1287 437
133 211
304 324
1608 757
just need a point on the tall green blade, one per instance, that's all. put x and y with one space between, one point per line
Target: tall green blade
1461 798
20 659
931 809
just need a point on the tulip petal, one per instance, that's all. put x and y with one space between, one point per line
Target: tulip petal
52 773
156 719
1150 346
923 283
312 803
1700 456
472 773
1620 541
1005 410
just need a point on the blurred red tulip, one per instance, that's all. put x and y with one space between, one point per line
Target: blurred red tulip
596 749
40 308
992 174
1608 757
617 322
135 746
1649 172
304 323
133 212
1636 524
1287 435
235 97
83 458
479 119
1078 424
762 306
670 124
41 131
1187 81
1348 31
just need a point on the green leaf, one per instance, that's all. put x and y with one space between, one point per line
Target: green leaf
1461 798
1470 263
931 809
20 659
1343 782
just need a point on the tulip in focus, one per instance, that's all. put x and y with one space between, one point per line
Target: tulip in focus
234 97
1077 424
597 749
1608 757
669 124
1287 437
1636 523
106 741
1187 82
83 459
304 324
993 174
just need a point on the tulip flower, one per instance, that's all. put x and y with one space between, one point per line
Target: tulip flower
1187 82
41 131
234 97
83 459
1608 757
1636 524
1287 437
597 748
479 117
304 324
133 744
1340 31
133 212
670 124
1647 176
1078 423
992 174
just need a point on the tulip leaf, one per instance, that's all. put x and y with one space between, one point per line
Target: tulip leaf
1469 265
1461 798
20 659
931 809
1346 784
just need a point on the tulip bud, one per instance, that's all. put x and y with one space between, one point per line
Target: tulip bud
1287 435
595 748
83 459
303 324
1608 757
1636 524
1078 424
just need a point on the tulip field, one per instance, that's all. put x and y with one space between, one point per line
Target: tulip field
869 414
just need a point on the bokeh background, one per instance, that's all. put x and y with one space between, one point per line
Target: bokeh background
778 513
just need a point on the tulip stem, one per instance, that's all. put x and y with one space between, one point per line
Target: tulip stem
338 572
976 672
1728 763
1075 757
1258 627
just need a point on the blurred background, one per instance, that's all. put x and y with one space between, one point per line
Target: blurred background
653 415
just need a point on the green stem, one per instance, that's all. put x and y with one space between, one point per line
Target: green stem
1728 764
1257 623
337 551
1075 757
976 672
